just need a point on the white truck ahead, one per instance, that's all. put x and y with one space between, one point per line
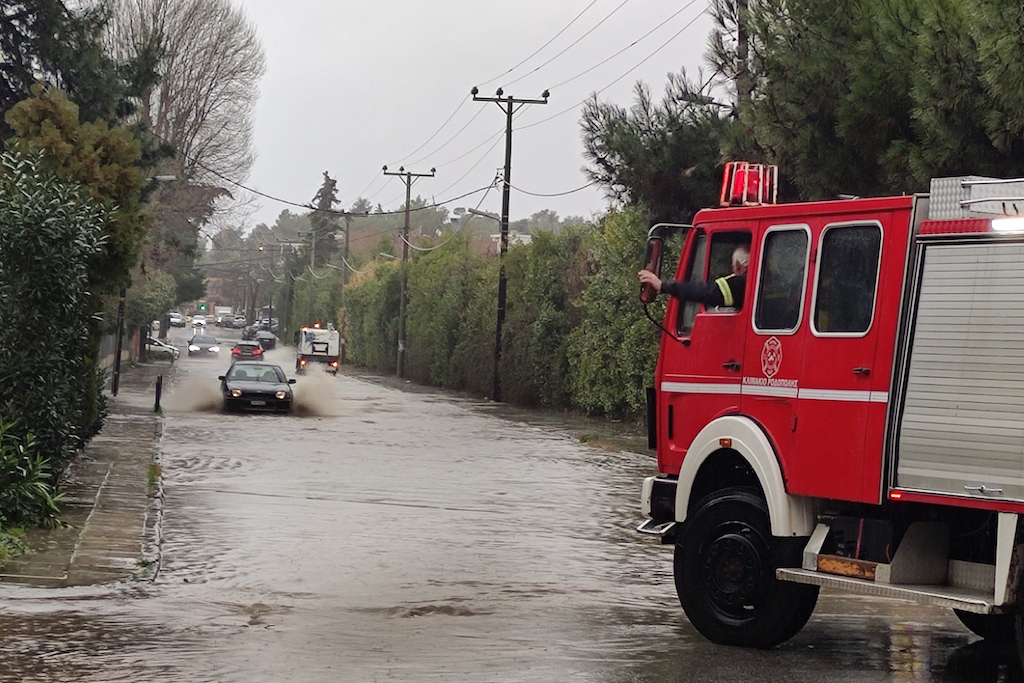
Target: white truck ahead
318 345
224 316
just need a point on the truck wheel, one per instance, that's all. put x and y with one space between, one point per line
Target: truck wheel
725 561
997 628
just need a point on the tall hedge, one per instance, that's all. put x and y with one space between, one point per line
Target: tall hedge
49 232
574 336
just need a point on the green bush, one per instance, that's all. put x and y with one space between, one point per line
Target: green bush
574 334
371 313
443 285
48 234
26 494
535 364
612 352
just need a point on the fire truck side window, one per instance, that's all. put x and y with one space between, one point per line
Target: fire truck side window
781 280
694 273
847 276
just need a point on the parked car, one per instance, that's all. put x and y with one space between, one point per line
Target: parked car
246 350
266 339
203 345
251 385
158 348
175 319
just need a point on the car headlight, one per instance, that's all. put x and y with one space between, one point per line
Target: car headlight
282 394
193 347
235 393
214 349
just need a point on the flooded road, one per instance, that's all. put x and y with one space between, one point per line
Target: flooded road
384 535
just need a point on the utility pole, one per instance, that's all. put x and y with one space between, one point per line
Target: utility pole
408 175
344 282
509 105
115 381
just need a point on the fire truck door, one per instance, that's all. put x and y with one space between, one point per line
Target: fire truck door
701 373
836 400
773 350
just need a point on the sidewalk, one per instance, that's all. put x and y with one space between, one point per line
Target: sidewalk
112 498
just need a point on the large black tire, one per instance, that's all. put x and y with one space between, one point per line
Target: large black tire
997 628
725 561
1018 622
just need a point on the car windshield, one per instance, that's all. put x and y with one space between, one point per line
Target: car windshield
257 373
203 340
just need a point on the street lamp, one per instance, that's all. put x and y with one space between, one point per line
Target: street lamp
485 214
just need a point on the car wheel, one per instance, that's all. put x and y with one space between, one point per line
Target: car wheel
725 561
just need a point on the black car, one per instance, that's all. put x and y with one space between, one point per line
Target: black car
251 385
203 345
246 350
266 339
249 333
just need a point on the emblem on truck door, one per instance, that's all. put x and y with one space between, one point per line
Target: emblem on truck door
771 357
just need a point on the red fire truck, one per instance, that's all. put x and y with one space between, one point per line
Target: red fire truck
858 422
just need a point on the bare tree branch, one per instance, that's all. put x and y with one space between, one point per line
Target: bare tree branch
210 66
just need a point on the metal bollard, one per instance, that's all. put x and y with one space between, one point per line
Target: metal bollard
159 388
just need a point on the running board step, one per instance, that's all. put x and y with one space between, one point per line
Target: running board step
653 528
978 602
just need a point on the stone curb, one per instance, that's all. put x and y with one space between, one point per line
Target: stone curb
112 517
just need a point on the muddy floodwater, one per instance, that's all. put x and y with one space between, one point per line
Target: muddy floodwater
379 534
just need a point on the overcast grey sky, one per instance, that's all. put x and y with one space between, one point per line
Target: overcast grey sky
353 85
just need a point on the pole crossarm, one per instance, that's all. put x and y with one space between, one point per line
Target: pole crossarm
509 105
404 279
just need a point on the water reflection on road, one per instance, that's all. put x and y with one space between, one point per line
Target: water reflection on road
415 536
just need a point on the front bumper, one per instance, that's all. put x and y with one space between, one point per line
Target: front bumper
258 404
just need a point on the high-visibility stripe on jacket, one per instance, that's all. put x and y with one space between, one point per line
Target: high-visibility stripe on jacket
723 284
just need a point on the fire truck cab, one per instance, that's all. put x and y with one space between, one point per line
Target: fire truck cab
857 421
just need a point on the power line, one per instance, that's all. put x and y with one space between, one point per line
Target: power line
425 142
643 37
571 45
534 53
555 194
454 232
631 70
338 212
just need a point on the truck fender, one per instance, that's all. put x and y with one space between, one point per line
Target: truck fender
789 515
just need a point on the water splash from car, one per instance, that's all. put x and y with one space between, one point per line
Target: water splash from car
195 395
317 394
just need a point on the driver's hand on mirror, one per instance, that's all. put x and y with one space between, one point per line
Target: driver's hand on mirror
649 278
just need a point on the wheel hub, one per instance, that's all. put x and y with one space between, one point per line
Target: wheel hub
733 573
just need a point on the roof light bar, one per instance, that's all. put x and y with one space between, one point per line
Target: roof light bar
747 184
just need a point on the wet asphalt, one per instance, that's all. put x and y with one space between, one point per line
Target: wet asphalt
390 533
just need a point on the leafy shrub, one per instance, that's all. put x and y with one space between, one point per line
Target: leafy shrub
26 494
613 350
49 232
574 334
371 314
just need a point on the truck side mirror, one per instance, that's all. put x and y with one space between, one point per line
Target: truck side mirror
652 262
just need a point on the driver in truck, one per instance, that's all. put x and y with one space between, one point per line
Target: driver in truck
722 292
